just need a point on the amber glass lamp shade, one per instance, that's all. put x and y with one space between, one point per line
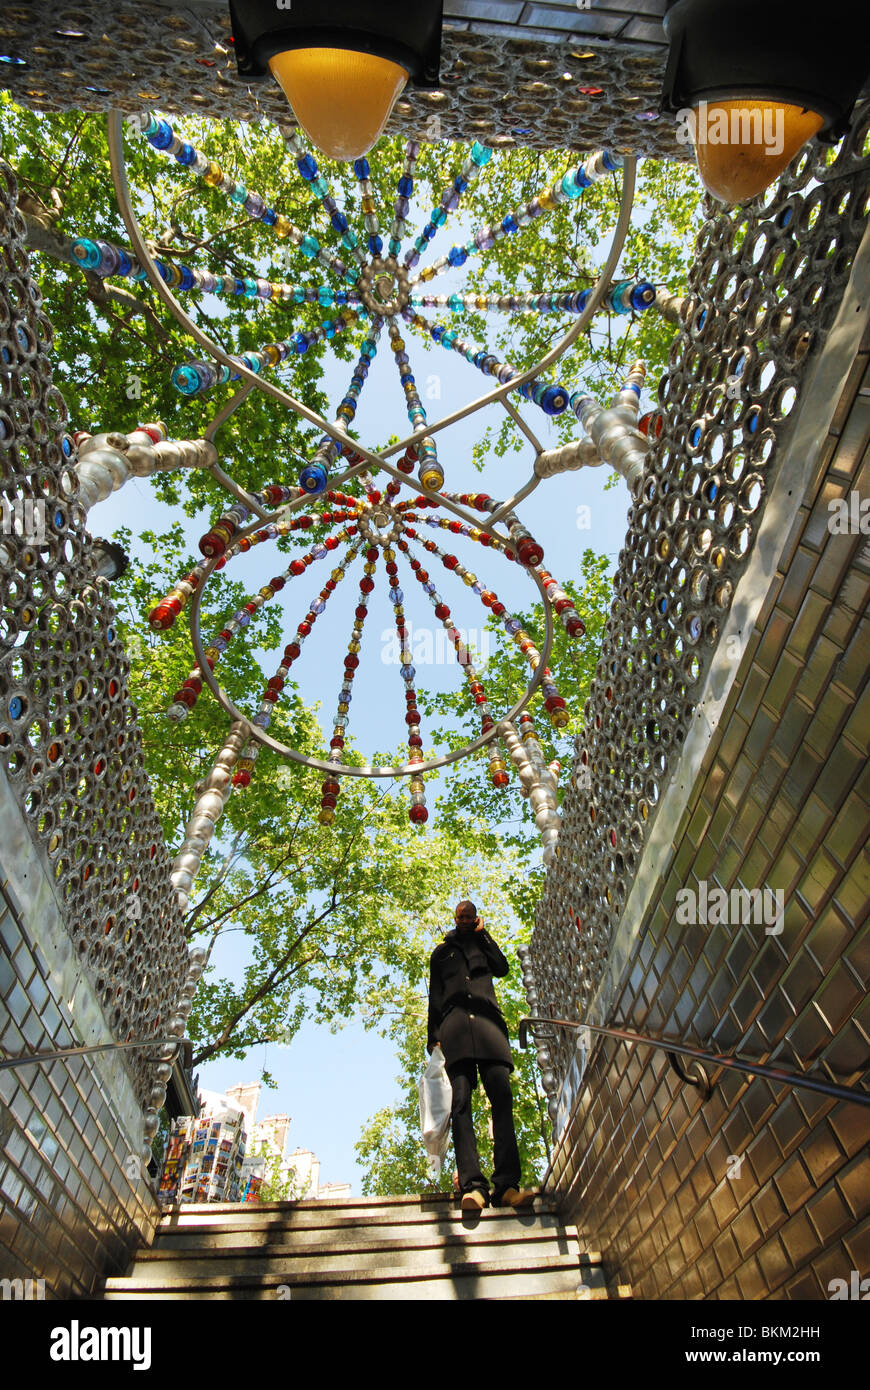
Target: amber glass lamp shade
342 99
744 144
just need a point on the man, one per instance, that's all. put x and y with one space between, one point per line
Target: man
466 1023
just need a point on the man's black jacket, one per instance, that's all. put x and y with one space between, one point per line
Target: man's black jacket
464 1016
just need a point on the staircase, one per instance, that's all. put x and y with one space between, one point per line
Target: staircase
363 1248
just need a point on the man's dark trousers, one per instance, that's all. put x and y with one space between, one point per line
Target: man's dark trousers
497 1084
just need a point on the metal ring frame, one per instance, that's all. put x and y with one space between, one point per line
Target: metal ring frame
378 460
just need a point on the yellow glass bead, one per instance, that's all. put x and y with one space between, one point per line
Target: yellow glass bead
327 816
245 764
369 566
367 203
480 302
407 658
398 344
428 273
271 354
399 610
343 708
213 175
547 200
559 718
212 653
282 225
417 784
353 646
389 554
266 592
283 529
337 575
469 578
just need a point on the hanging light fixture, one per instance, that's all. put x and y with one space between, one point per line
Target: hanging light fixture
342 64
752 80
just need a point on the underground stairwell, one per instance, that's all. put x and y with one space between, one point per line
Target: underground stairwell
389 1248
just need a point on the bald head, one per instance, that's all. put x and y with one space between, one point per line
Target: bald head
466 915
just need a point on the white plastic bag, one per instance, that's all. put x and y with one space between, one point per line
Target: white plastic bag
436 1097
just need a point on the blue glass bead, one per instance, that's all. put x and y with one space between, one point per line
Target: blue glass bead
428 232
361 168
150 129
478 358
310 247
455 304
439 217
238 287
339 221
186 155
369 349
187 280
324 296
86 252
162 137
16 707
328 328
349 405
298 295
449 338
252 360
298 343
250 289
407 672
402 207
489 362
239 194
457 255
376 245
611 161
460 184
186 380
261 720
570 187
506 374
412 258
510 224
642 296
350 240
312 477
125 265
394 246
340 296
163 271
269 216
307 167
554 400
582 179
481 154
319 187
405 186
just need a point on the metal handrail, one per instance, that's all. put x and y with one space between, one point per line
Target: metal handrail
714 1059
26 1058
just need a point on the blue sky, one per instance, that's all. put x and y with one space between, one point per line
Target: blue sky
330 1084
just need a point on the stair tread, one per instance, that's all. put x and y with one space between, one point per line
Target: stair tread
219 1215
386 1274
354 1249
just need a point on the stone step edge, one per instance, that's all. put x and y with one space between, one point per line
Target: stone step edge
248 1218
590 1259
543 1201
390 1274
360 1230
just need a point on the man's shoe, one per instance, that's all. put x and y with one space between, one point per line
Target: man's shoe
475 1200
515 1197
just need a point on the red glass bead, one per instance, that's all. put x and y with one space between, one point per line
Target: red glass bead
242 779
336 741
297 567
303 629
351 661
415 741
292 651
450 562
366 585
271 695
331 543
360 613
575 627
418 814
412 716
530 552
277 583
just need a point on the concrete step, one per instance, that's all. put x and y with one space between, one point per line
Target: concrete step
531 1277
286 1261
360 1233
342 1212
